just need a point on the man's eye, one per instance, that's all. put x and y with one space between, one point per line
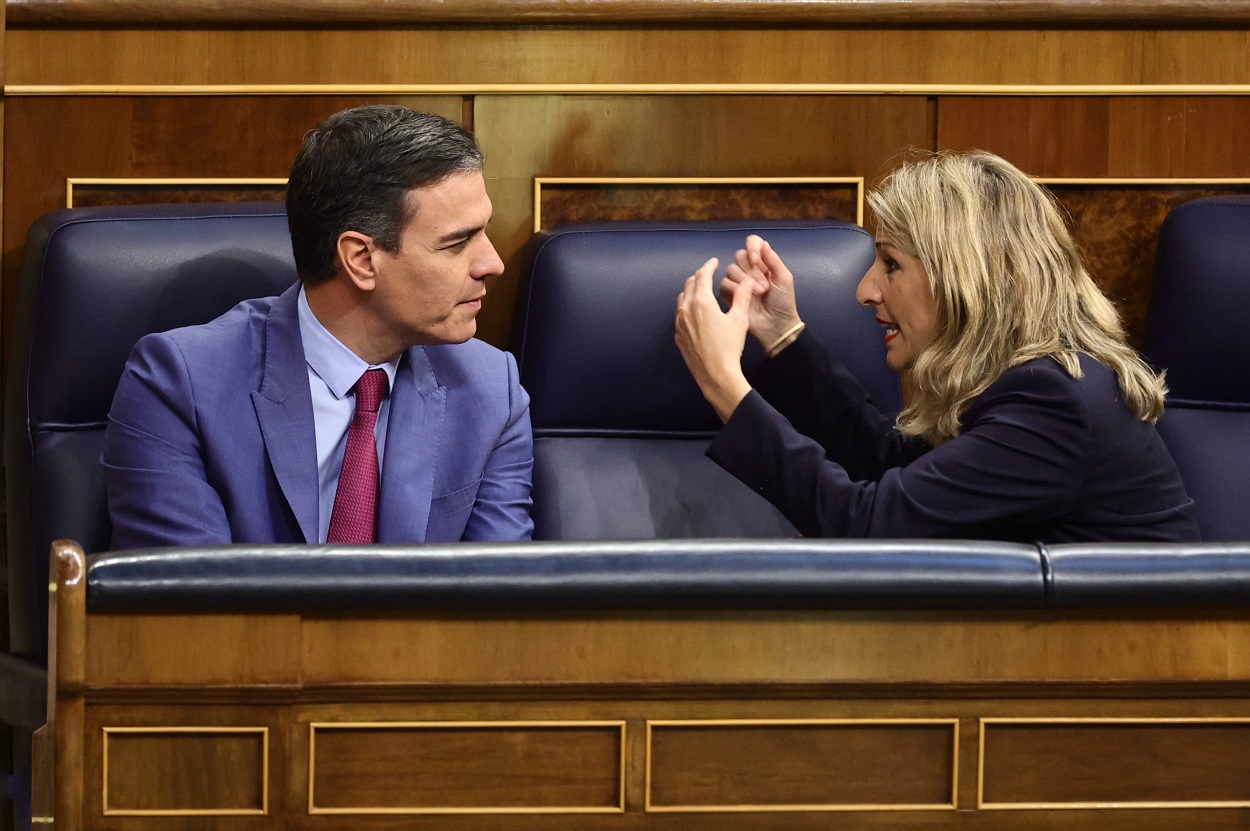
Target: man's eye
457 246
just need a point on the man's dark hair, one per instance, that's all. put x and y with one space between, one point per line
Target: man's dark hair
354 171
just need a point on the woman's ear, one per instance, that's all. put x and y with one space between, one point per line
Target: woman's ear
356 256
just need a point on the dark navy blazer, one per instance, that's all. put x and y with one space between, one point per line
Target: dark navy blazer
1041 457
211 439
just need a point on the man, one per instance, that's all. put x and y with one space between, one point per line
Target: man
265 425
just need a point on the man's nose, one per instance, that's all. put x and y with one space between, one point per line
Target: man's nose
490 264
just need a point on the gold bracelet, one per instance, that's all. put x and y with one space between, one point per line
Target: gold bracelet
793 330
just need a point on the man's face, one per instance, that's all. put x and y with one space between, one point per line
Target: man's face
432 289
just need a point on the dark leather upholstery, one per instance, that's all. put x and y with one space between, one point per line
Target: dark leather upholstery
1198 329
93 282
619 424
1176 575
692 574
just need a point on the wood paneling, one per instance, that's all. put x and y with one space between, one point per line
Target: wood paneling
706 136
480 55
151 192
609 201
1116 227
1116 764
822 766
794 648
530 12
1182 136
185 771
415 768
53 139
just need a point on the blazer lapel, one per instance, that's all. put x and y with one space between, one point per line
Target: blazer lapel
284 409
413 436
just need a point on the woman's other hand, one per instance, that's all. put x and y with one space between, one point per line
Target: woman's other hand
711 341
773 311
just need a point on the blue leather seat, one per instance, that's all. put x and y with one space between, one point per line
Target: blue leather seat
619 425
1198 329
94 281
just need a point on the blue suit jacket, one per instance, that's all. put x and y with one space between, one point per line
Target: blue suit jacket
211 439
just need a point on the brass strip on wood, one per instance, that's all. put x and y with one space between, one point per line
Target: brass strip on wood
313 727
1009 90
649 807
188 812
76 181
299 13
627 181
1119 804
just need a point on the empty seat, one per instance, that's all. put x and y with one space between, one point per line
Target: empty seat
1198 329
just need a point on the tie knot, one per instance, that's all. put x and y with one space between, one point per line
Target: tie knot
370 390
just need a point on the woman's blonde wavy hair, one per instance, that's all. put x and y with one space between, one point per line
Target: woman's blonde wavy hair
1009 284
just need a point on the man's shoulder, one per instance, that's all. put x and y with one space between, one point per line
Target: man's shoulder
237 329
472 365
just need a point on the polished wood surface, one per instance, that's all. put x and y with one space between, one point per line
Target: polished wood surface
736 721
1114 762
631 200
184 772
434 768
163 137
818 765
530 12
472 57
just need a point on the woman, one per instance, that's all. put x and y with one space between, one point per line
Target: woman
1029 417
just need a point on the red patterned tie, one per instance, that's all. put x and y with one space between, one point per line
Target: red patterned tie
355 516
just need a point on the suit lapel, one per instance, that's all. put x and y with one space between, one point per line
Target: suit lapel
284 409
413 436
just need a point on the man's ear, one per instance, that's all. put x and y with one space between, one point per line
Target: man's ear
355 252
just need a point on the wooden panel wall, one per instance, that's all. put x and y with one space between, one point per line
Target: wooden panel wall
1092 89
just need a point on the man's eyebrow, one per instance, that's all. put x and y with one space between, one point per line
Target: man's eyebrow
461 234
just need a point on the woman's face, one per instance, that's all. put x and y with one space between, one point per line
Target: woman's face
897 287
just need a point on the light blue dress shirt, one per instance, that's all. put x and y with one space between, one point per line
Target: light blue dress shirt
333 370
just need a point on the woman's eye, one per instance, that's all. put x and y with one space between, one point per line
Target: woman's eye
890 265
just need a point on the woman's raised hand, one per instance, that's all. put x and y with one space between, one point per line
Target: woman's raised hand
711 341
773 311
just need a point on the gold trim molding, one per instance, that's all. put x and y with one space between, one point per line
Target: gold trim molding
299 13
713 181
313 727
1048 806
20 90
649 807
76 181
186 812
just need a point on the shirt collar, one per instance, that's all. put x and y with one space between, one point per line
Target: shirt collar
334 363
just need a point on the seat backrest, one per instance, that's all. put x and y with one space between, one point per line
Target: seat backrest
1198 329
95 280
619 425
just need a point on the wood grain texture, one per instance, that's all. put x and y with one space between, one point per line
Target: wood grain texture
493 766
645 136
1117 763
606 202
98 195
482 55
1116 227
1100 136
600 12
192 771
53 139
828 765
